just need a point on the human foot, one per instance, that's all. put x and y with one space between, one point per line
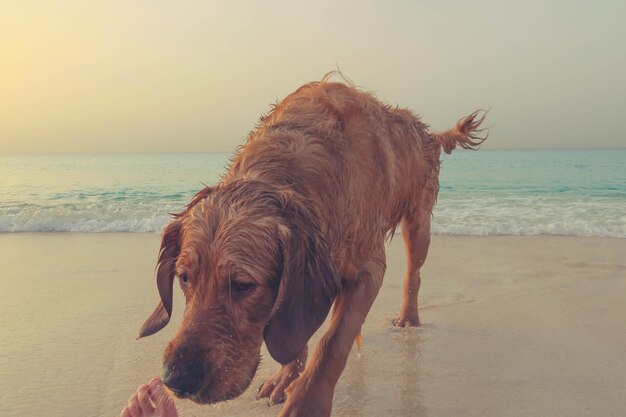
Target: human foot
150 400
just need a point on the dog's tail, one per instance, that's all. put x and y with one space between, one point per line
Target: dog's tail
466 133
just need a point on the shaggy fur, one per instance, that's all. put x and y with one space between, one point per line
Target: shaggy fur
296 225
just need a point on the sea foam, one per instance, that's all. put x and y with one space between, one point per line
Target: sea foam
578 193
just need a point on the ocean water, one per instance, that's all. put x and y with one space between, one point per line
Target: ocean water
489 192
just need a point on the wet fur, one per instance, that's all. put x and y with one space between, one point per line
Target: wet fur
303 212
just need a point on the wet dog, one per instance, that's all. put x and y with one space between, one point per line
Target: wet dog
298 224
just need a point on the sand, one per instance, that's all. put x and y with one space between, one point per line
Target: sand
512 326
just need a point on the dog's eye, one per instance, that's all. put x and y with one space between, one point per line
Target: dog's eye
241 287
183 278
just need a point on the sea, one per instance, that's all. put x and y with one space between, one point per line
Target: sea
483 193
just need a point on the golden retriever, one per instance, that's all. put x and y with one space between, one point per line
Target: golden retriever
298 224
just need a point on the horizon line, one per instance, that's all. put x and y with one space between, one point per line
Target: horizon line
233 151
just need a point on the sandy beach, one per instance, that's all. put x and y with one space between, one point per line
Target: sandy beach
512 326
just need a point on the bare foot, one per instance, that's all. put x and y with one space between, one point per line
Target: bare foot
150 400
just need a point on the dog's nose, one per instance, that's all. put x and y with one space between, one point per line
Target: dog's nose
184 379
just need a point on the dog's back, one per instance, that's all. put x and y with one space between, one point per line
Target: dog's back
362 162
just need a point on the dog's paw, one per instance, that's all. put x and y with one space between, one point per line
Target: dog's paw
406 320
305 409
274 388
307 399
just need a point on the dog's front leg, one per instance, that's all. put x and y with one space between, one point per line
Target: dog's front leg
311 395
274 388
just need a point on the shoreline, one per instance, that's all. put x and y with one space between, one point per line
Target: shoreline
512 326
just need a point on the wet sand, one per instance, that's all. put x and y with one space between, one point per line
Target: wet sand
512 326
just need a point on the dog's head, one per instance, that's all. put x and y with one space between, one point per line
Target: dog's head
253 266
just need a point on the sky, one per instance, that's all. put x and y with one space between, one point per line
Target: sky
194 76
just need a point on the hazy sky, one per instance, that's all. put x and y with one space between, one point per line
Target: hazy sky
160 76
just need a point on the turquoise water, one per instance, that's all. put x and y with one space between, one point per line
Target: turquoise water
561 192
489 192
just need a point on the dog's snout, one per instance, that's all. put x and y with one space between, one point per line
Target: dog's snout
184 377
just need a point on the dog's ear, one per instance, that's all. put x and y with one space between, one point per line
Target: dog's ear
166 265
307 289
170 247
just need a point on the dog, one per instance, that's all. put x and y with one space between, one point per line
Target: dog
298 224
